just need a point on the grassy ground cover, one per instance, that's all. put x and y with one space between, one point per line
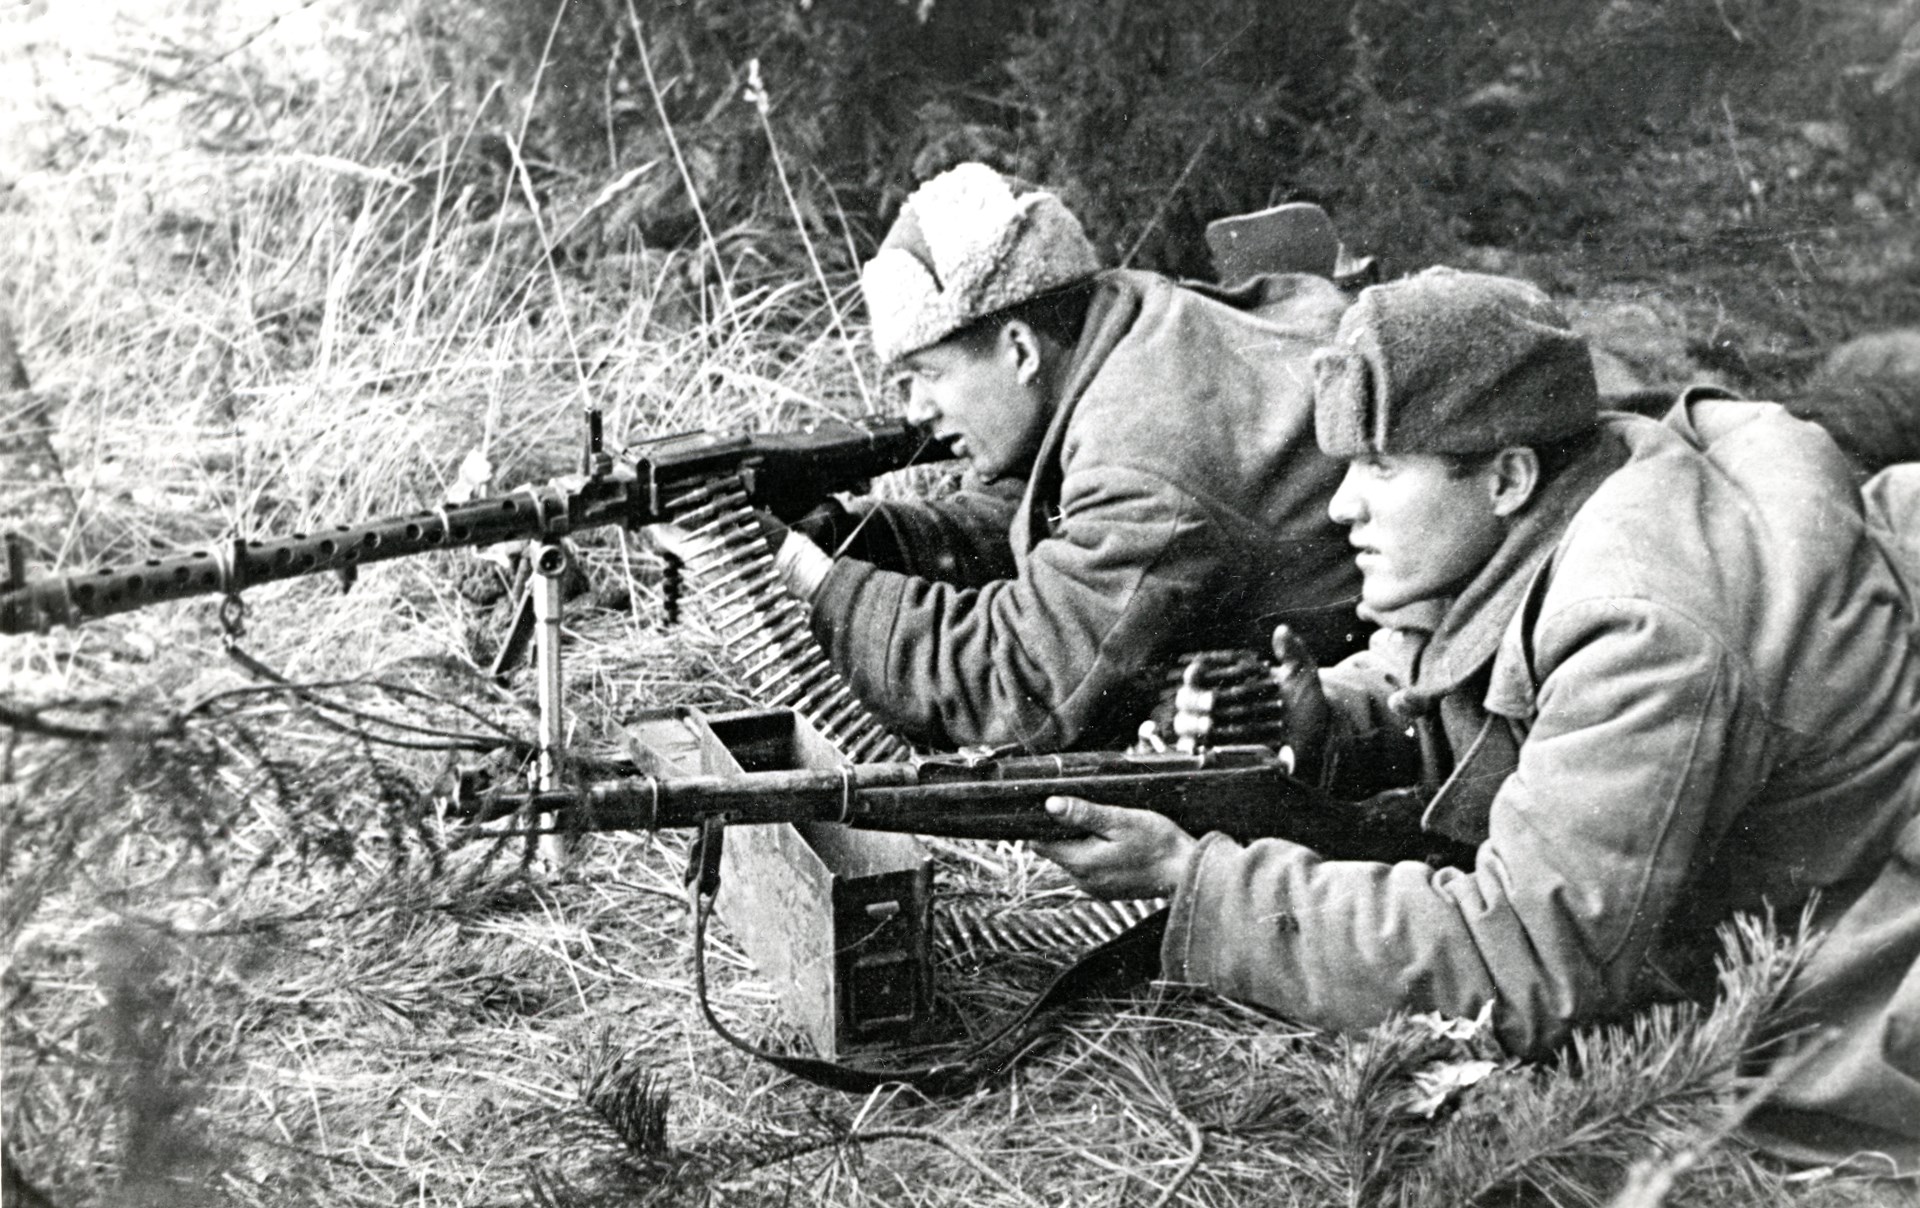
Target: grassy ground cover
278 264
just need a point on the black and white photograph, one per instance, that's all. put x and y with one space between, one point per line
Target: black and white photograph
989 603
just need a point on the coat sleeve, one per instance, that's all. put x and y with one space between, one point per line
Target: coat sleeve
960 539
1041 659
1642 745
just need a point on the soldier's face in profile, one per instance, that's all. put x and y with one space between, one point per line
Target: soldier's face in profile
1422 527
984 393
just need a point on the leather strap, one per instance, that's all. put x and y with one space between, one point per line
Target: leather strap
1128 959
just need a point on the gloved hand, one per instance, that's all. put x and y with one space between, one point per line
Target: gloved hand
827 525
1235 697
677 541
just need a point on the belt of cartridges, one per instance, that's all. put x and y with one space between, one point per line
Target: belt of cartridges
764 629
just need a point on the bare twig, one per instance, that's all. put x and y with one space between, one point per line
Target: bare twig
1166 198
1196 1149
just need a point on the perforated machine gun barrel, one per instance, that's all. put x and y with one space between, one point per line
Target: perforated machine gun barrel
632 489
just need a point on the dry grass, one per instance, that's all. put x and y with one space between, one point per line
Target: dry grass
278 264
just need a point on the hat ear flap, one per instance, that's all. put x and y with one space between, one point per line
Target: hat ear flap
1050 249
905 303
907 235
1344 415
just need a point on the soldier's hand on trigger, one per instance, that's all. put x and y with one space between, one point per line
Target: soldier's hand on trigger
827 525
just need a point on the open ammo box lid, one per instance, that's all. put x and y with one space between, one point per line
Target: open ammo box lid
839 920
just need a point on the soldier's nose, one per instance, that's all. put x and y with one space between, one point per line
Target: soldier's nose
920 408
1345 507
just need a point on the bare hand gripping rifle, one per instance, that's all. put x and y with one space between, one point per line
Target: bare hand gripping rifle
1247 792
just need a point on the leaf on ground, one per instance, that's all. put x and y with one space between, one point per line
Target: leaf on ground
1440 1084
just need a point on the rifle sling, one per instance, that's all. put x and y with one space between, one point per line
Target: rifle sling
1129 958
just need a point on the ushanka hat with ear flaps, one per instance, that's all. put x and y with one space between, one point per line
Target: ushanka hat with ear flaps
968 243
1451 362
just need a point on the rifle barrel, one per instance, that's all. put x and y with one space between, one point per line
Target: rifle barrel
1244 792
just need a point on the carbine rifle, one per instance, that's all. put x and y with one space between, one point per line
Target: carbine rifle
1247 792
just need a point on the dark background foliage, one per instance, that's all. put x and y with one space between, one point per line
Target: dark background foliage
1424 125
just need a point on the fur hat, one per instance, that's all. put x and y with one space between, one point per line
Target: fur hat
1451 362
968 243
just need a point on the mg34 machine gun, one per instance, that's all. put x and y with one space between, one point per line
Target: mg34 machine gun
666 479
707 483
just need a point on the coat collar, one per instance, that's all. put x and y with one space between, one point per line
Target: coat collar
1470 632
1116 304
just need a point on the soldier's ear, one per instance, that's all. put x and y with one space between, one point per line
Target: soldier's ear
1021 344
1513 478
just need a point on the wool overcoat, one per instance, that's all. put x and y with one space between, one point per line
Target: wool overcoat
1178 502
1704 699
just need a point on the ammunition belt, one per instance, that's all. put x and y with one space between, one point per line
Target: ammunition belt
971 933
765 630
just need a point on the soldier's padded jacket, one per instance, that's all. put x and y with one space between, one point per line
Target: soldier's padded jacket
1178 501
1704 698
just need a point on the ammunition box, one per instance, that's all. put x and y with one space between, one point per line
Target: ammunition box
838 920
